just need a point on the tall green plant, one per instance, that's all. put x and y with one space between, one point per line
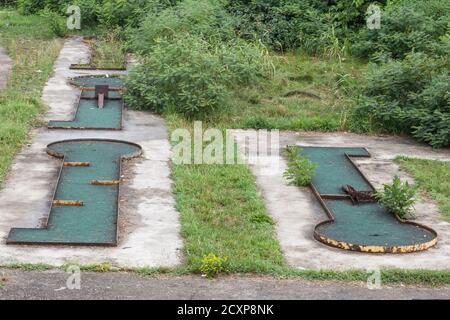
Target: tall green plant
398 198
300 170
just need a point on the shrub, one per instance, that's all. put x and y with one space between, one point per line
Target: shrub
410 96
28 7
398 198
109 13
57 23
289 24
8 3
191 76
301 170
414 25
283 25
204 18
89 11
212 265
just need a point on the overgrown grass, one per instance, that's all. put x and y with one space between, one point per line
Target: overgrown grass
108 52
222 213
433 177
33 50
306 93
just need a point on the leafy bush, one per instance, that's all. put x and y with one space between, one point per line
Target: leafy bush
290 24
191 76
8 3
57 23
282 25
27 7
212 265
410 96
414 25
108 13
300 171
204 18
398 198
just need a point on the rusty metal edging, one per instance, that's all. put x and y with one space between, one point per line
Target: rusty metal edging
364 248
60 156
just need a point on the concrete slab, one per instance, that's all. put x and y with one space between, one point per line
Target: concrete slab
5 68
148 222
297 211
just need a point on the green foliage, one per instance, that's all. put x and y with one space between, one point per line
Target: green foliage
56 22
301 170
8 3
414 25
279 24
290 24
191 76
206 19
398 198
213 265
411 96
108 13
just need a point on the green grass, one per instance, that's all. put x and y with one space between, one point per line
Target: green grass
306 93
222 213
33 50
108 52
15 26
433 177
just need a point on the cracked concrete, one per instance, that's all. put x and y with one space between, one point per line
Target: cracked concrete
5 68
296 210
148 222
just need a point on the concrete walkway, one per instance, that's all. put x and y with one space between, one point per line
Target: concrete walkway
297 211
53 285
148 222
5 68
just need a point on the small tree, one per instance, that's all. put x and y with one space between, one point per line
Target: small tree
398 198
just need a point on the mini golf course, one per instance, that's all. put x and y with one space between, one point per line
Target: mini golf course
99 107
85 204
358 224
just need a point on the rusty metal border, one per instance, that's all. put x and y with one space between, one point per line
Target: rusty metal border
363 248
62 157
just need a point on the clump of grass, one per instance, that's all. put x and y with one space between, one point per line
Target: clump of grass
301 170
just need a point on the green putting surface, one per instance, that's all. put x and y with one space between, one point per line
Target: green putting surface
88 115
335 169
368 224
359 226
96 221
